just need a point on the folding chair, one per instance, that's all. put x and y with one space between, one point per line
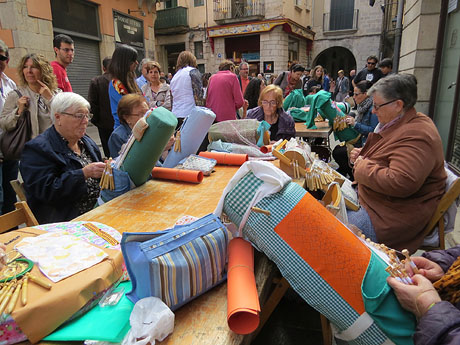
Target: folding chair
18 187
438 217
21 215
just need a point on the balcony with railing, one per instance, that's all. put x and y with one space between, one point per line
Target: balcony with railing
172 21
235 11
335 22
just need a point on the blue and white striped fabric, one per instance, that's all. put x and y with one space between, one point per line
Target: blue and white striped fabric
179 264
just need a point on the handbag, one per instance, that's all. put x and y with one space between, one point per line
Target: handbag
13 141
178 264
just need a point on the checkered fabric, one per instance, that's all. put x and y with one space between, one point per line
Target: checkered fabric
259 229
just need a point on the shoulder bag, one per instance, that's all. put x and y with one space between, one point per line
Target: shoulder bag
13 141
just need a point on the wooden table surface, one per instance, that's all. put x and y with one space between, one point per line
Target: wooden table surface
301 130
156 205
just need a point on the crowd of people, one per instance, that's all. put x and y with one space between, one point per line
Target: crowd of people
396 161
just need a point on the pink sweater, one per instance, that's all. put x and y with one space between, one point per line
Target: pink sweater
224 95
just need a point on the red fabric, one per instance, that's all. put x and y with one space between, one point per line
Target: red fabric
61 76
224 95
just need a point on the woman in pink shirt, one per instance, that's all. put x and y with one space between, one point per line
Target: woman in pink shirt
224 96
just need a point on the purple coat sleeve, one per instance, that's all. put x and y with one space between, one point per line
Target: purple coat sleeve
439 326
444 258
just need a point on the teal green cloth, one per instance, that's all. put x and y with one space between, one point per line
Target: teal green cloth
321 103
299 115
382 305
143 154
110 323
295 99
263 127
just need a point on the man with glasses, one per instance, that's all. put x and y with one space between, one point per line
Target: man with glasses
8 169
370 73
64 50
243 76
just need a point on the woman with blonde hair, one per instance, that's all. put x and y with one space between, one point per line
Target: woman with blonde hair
186 86
156 93
271 110
37 87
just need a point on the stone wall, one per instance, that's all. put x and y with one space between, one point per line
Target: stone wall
362 42
418 45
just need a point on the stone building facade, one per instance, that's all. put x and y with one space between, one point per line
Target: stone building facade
346 33
266 33
29 26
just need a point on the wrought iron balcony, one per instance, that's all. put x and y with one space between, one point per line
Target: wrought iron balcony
233 11
172 21
347 20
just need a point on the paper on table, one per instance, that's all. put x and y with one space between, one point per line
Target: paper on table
226 158
60 255
194 176
242 299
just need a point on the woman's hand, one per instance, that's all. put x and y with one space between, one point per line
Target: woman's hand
23 104
170 143
45 91
350 120
416 298
245 108
94 170
354 155
427 268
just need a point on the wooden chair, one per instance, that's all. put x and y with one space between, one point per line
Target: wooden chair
18 187
21 215
438 218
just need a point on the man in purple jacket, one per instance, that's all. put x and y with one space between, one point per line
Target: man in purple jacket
438 321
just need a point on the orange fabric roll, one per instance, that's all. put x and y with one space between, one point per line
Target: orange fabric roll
266 148
226 158
242 299
193 176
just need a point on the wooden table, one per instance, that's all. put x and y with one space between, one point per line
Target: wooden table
301 130
324 151
156 205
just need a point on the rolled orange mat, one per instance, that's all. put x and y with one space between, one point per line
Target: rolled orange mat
242 299
266 148
226 158
193 176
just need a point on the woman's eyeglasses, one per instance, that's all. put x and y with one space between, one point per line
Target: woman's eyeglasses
378 106
79 116
272 103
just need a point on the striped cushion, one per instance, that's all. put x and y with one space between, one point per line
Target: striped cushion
178 264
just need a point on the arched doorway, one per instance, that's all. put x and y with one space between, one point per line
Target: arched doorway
335 59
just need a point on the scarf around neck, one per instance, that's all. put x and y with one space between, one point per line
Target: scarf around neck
363 108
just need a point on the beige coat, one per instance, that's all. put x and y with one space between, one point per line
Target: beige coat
402 179
9 117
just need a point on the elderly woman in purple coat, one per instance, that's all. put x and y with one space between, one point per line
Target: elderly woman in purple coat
271 110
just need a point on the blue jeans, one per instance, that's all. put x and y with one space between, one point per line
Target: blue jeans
362 220
8 171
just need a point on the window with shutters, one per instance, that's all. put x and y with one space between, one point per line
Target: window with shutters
198 50
198 3
170 3
342 13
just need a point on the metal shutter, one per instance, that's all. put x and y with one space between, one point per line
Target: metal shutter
86 65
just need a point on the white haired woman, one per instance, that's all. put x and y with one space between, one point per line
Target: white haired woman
61 167
400 170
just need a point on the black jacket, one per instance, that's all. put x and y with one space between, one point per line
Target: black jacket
53 177
98 98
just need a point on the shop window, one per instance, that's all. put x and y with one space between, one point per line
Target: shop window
199 50
293 49
198 3
75 16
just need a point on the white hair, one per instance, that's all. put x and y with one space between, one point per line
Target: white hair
64 101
